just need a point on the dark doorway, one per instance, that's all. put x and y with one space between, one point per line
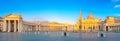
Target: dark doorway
106 28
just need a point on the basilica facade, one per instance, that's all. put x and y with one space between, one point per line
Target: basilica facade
92 24
89 24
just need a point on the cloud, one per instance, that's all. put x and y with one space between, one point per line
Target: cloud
117 6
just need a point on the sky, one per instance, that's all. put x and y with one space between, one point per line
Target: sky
60 10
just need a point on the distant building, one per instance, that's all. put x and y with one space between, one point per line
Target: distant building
112 24
54 26
89 24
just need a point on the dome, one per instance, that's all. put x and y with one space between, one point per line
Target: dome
90 16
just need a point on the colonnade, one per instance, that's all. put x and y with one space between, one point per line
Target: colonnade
12 26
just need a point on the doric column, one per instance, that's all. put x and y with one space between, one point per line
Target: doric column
19 25
39 28
104 27
97 28
15 26
118 28
5 26
36 27
9 26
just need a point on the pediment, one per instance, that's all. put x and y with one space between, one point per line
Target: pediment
11 16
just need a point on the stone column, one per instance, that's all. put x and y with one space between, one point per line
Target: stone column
39 28
104 28
15 26
9 26
118 28
5 26
108 28
36 27
98 28
20 26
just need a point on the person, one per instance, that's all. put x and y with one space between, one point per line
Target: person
65 33
101 35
